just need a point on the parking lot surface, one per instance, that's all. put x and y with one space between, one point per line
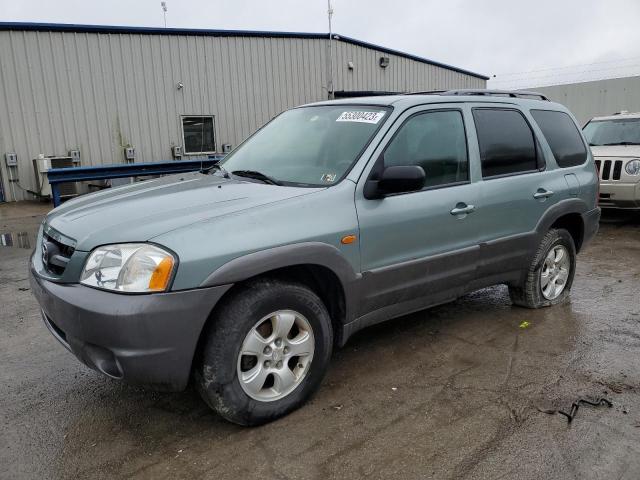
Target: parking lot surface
457 391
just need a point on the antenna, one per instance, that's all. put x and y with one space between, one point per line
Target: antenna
164 12
330 62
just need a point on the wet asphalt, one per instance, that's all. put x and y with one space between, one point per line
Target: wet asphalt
449 393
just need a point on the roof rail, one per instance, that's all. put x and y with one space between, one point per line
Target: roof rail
427 92
497 93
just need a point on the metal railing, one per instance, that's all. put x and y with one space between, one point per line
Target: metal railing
56 176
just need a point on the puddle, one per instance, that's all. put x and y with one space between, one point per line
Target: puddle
17 240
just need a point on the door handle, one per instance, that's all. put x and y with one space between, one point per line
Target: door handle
542 193
462 209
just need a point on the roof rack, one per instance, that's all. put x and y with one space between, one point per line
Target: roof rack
427 92
497 93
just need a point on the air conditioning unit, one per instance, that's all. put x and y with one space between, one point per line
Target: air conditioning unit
42 165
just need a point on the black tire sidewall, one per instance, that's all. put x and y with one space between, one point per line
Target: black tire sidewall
551 240
219 383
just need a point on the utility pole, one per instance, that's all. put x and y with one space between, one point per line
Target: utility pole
330 55
164 12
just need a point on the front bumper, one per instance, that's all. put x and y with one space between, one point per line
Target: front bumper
620 195
147 339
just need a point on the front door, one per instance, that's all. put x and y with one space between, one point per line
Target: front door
421 248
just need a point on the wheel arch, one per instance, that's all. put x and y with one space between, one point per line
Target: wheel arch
574 224
319 266
567 214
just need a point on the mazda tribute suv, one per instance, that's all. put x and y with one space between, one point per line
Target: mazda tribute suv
332 217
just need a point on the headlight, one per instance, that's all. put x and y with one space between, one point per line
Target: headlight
129 267
633 167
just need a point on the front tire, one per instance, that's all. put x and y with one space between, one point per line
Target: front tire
265 352
550 274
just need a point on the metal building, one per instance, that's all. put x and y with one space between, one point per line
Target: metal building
601 97
116 94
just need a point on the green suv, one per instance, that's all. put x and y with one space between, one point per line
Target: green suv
332 217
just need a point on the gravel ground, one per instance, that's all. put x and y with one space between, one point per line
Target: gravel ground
451 392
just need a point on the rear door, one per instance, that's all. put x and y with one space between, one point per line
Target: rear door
421 247
518 186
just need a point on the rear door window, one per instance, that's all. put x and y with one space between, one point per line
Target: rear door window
506 141
562 136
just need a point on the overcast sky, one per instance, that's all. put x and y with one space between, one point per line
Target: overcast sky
523 43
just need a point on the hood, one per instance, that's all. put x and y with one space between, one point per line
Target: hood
616 151
138 212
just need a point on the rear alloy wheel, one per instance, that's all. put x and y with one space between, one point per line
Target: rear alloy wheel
555 272
550 275
264 352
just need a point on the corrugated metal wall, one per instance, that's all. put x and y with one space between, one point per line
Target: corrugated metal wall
602 97
402 75
99 92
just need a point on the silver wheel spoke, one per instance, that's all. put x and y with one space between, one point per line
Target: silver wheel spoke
544 279
301 346
559 255
563 274
282 323
254 344
254 379
283 379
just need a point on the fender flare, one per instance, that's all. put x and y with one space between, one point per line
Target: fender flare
564 207
306 253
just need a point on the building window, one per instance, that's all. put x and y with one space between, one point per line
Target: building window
198 134
507 145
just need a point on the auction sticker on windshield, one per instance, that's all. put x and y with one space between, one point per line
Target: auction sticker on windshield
361 117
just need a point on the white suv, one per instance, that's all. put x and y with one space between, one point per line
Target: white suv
615 144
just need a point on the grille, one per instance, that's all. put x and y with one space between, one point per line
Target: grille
609 169
55 255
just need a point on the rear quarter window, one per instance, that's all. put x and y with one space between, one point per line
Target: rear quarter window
562 136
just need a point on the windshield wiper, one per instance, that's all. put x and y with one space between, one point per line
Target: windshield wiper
619 143
216 166
256 175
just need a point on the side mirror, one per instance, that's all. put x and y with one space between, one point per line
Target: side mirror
397 179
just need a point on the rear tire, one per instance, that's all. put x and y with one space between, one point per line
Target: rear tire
249 370
550 275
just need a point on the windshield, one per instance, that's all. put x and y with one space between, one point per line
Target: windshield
310 146
625 131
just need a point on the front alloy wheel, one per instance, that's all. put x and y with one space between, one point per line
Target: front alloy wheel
264 351
275 355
